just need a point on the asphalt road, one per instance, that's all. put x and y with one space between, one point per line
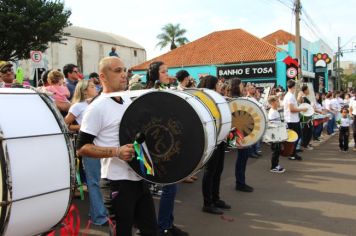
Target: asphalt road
316 196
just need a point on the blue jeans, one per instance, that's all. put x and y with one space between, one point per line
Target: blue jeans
258 146
97 211
330 125
252 150
317 131
240 166
166 207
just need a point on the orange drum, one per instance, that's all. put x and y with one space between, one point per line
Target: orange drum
287 147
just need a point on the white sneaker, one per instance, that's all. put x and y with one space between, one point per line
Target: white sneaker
278 169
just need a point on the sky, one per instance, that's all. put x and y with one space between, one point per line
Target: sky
141 20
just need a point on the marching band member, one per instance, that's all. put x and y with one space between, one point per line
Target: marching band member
129 197
291 115
275 117
214 168
157 77
353 114
242 153
307 126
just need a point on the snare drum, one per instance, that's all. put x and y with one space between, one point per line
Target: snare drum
37 167
287 147
248 118
275 133
218 107
179 131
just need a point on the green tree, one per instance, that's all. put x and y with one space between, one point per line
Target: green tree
27 25
173 36
349 78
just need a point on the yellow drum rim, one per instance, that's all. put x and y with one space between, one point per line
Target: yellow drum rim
213 108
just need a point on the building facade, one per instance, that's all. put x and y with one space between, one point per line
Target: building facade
312 55
225 54
237 53
85 48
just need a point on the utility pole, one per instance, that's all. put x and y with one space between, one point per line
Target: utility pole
297 12
338 54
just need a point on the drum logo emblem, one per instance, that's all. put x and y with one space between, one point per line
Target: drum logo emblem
163 138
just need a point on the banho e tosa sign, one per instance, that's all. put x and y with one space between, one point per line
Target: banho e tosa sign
266 70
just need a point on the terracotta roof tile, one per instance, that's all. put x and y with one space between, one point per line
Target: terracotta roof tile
279 37
221 47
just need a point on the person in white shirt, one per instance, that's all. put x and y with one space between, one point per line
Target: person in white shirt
345 123
336 105
291 115
318 108
254 151
183 78
84 92
331 110
353 115
130 200
275 117
347 99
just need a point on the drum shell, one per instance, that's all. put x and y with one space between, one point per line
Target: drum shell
287 149
275 133
218 107
39 171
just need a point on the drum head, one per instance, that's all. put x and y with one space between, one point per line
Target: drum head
174 134
310 110
3 189
248 118
292 136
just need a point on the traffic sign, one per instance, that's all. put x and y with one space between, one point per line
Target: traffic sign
36 56
292 72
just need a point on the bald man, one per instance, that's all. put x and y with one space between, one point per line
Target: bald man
129 197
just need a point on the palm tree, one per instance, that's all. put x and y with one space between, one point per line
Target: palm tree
173 35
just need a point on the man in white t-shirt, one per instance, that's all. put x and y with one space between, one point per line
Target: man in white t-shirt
353 114
291 115
126 194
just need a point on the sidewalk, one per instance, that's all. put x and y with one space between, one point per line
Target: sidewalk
313 197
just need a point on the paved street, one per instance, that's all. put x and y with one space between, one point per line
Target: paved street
314 197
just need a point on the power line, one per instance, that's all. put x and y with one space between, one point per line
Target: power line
352 38
316 29
290 5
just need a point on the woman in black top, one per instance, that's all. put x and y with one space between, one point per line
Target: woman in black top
213 169
242 153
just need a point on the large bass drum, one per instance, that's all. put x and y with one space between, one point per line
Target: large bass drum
248 118
179 131
37 169
218 107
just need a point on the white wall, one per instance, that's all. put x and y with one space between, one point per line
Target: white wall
57 55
